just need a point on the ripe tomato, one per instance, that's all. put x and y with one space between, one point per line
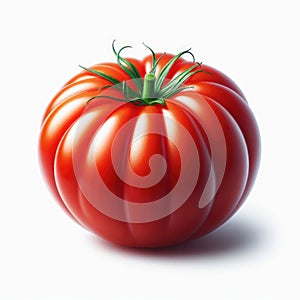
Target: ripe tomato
150 152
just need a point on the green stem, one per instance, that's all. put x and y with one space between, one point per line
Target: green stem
149 87
149 91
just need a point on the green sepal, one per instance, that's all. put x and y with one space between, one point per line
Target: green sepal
103 75
166 69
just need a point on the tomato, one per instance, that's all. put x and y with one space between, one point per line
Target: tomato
151 152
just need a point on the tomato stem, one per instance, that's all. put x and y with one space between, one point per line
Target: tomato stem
149 87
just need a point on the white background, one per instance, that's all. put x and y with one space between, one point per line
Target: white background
44 255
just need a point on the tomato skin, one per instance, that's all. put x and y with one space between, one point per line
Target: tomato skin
113 167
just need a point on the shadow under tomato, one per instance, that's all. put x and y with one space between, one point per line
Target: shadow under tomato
236 236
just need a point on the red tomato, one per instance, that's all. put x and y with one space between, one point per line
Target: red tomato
151 152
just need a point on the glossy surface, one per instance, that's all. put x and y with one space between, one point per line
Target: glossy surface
150 176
